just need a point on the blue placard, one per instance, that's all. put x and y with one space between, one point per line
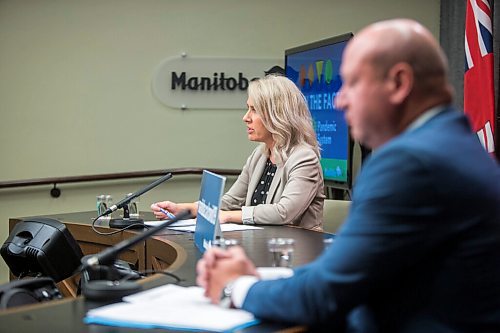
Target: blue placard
207 220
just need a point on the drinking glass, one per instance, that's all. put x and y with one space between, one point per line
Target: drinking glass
133 206
281 250
225 243
328 241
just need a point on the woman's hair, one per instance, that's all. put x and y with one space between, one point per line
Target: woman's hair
284 113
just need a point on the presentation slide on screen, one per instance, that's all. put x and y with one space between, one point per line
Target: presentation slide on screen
316 73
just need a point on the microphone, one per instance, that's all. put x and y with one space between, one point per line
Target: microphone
109 254
127 221
136 194
105 290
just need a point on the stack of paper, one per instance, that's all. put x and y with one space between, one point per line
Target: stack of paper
171 307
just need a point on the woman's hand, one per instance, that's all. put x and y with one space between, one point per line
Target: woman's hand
229 216
160 209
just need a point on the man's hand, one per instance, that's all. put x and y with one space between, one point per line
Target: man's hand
218 267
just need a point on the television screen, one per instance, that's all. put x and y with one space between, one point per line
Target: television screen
315 70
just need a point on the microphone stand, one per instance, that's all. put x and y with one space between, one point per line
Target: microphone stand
101 290
127 221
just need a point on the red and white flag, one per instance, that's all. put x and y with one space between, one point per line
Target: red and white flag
479 100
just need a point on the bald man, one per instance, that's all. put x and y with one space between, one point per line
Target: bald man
420 249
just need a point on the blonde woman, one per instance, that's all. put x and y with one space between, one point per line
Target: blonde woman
281 182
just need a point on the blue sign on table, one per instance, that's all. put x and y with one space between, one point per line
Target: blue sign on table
207 220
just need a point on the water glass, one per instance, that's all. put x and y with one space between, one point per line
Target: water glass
328 241
225 243
281 250
101 204
133 206
109 202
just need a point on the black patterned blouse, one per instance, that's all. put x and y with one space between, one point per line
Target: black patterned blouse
260 194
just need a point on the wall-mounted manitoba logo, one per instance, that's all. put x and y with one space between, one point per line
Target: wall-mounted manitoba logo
207 83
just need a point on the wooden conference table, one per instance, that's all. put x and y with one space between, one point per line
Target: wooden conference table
169 250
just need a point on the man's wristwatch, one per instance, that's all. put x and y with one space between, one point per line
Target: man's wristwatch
225 297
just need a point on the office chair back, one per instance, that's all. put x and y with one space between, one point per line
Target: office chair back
334 214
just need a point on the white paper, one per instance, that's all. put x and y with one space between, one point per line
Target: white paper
273 273
189 225
224 227
170 306
238 227
180 223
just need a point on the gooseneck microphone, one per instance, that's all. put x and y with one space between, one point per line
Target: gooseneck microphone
136 194
126 220
105 289
107 256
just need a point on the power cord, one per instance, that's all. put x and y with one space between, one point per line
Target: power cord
115 231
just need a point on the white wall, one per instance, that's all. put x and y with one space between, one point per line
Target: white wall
75 96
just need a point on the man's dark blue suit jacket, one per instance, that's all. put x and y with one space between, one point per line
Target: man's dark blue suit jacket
420 249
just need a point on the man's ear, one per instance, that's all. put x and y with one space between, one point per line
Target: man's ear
401 80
